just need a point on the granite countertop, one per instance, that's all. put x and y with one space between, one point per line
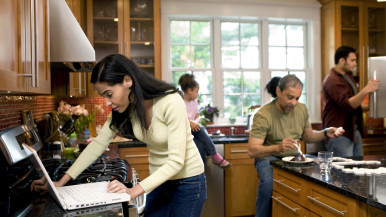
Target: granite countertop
370 189
223 139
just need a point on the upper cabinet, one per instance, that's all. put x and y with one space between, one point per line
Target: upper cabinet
128 27
24 57
359 24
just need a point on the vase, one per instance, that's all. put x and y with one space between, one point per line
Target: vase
210 117
81 139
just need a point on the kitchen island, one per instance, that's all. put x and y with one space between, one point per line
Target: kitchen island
300 189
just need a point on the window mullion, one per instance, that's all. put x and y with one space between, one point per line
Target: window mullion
265 72
218 94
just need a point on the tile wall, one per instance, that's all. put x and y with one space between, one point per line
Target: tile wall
11 107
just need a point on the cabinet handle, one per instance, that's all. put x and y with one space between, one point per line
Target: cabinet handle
281 183
239 151
327 206
284 204
138 155
34 44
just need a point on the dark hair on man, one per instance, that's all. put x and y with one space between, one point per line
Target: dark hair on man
272 85
111 70
289 81
343 52
187 82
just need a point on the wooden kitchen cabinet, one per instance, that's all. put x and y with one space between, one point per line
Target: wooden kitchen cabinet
327 203
138 158
241 181
359 24
24 65
284 207
294 196
78 9
128 27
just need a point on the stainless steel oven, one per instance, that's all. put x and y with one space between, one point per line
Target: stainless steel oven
17 199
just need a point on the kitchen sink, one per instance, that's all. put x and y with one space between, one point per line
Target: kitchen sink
231 138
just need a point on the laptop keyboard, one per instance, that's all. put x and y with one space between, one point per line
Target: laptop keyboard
80 194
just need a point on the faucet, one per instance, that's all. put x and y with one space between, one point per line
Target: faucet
232 131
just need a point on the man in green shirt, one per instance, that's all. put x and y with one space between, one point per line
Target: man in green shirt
277 126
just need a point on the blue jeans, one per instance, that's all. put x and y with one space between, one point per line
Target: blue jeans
204 143
264 189
344 147
175 198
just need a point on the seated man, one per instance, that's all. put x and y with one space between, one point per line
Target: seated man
277 126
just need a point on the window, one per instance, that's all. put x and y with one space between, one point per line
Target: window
245 62
240 67
191 52
287 52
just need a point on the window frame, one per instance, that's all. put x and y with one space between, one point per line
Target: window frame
265 71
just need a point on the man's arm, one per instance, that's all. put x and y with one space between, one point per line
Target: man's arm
257 149
372 86
310 135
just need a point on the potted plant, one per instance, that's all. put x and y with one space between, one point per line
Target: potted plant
207 114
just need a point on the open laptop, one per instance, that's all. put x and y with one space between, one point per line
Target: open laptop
77 196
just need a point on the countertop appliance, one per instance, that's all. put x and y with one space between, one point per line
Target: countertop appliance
15 196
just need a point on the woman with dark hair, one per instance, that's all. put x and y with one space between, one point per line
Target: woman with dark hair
272 85
151 111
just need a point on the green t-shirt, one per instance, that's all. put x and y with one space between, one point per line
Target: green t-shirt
272 125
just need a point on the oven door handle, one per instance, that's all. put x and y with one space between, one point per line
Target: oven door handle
142 207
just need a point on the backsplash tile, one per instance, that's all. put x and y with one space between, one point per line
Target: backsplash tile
12 106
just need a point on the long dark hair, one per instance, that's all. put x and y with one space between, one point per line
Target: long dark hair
112 70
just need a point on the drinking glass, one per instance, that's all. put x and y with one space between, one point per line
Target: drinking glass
325 161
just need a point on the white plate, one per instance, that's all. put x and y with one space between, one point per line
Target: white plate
289 158
216 135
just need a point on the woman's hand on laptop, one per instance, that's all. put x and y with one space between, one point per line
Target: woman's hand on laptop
39 184
118 187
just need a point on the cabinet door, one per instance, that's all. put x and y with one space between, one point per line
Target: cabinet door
40 81
351 25
241 181
289 185
329 203
77 84
105 27
144 34
138 158
9 56
375 16
284 207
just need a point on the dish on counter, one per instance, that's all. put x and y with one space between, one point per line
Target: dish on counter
216 135
289 160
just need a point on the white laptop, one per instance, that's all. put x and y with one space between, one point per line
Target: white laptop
77 196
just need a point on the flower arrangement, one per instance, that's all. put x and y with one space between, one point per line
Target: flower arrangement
208 113
79 114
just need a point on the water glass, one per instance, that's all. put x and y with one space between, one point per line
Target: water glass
325 161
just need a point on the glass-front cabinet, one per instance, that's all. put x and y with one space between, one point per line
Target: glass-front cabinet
363 27
128 27
359 24
376 39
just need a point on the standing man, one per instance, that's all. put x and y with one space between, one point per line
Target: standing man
343 103
277 126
